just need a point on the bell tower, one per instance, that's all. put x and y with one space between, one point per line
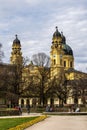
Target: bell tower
16 54
61 54
56 54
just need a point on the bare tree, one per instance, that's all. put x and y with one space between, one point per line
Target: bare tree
7 89
79 89
57 87
11 81
41 59
25 61
37 83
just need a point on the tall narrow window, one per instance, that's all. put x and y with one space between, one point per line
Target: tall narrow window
54 61
71 64
64 63
60 61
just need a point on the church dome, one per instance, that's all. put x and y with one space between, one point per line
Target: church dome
67 49
16 41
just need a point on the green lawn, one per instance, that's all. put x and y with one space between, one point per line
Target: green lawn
12 122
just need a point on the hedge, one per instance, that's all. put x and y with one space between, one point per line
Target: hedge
9 112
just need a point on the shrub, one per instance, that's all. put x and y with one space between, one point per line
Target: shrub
9 112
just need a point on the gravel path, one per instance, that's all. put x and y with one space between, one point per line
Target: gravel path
61 123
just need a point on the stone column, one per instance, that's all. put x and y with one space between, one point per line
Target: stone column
30 101
25 99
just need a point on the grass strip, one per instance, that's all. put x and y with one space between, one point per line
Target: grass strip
29 123
7 123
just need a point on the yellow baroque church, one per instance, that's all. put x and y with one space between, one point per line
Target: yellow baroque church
61 65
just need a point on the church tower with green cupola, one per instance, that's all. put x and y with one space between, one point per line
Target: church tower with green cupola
61 54
16 54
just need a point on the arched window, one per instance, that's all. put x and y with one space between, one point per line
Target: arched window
27 101
54 62
64 63
71 64
22 102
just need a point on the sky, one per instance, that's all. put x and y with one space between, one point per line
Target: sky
34 22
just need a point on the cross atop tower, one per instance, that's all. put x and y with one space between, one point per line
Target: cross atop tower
16 36
56 28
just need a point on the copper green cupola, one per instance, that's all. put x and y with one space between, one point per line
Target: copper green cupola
16 54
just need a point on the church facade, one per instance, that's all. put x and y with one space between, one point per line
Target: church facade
61 63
